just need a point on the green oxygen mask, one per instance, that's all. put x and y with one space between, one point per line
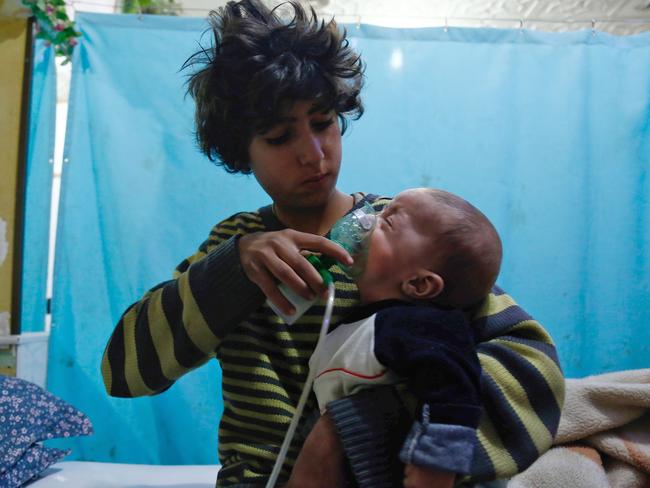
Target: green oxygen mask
352 233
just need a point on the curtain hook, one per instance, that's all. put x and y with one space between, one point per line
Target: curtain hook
521 25
358 21
593 27
446 25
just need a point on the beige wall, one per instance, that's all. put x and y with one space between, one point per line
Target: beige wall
620 17
12 55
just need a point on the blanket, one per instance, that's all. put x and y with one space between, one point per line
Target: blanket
603 440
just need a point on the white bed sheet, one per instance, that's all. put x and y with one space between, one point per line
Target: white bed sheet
86 474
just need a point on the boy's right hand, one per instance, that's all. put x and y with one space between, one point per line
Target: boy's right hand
271 257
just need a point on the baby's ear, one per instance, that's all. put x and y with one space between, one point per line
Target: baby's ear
424 285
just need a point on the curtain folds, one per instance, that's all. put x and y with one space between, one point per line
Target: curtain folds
38 189
547 133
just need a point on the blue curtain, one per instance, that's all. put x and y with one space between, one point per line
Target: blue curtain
547 133
38 189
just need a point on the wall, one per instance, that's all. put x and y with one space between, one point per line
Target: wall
620 17
12 54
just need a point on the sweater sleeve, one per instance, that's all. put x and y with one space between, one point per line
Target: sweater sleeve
434 350
178 325
522 391
522 388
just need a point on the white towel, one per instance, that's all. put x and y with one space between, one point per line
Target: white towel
606 423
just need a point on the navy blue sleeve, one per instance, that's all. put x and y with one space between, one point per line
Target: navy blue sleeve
434 350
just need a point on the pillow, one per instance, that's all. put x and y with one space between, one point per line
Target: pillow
34 460
29 414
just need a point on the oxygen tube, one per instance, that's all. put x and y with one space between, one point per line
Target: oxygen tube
288 437
351 232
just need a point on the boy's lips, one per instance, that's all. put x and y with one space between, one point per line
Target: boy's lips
316 178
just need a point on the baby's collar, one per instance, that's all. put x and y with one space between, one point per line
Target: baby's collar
369 309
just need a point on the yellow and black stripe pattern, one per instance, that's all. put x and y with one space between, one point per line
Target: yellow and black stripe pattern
209 309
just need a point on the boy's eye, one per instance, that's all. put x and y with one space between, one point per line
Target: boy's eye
278 140
321 125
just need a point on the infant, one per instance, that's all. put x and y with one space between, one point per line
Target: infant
431 257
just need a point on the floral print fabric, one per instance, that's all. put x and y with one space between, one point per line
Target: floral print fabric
28 415
34 460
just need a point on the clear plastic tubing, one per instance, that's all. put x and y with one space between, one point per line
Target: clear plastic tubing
288 437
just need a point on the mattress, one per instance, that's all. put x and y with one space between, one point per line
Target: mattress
85 474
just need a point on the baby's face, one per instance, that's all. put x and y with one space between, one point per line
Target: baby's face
402 237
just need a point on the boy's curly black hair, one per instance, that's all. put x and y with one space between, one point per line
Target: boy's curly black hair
258 65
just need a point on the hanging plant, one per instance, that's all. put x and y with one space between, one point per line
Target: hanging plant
156 7
54 26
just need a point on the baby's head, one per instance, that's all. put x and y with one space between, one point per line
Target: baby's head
433 247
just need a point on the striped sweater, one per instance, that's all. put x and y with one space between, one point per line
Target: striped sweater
210 309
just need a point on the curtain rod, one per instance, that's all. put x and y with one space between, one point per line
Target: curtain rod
439 20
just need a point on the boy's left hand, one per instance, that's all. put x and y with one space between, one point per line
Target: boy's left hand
419 477
321 460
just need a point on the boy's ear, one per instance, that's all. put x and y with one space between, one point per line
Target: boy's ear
424 285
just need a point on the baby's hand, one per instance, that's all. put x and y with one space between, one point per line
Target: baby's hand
419 477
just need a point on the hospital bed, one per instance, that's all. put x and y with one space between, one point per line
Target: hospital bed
85 474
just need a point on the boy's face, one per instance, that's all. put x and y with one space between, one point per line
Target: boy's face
398 246
297 161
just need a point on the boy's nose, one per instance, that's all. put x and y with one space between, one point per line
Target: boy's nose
310 150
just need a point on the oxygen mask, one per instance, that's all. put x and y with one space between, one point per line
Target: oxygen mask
352 232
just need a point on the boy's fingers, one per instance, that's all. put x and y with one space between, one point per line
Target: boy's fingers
264 280
321 244
279 257
292 276
308 274
271 291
